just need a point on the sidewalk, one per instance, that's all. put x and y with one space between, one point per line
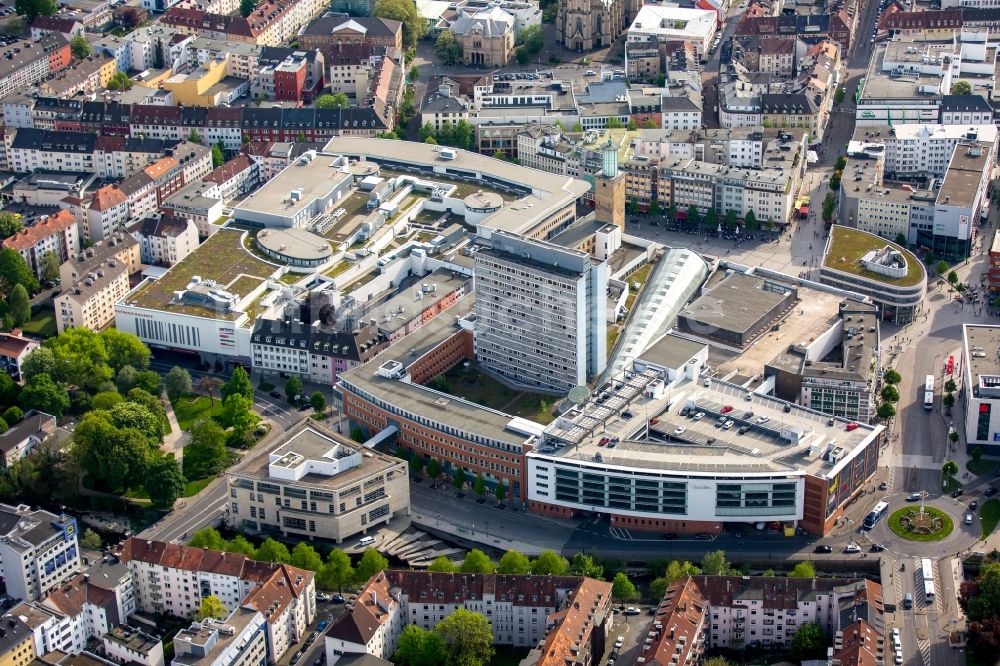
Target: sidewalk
174 441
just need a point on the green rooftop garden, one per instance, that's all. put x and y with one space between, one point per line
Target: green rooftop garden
847 246
221 258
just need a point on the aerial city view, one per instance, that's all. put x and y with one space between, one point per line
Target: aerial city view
499 332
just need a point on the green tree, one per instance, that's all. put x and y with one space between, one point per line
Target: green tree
513 562
164 482
890 393
371 563
500 492
693 216
247 7
39 362
829 206
273 551
803 570
477 562
416 464
211 607
479 485
80 358
468 638
405 11
950 386
31 9
207 537
750 221
654 208
952 278
443 565
50 266
948 400
419 647
120 81
901 240
241 546
41 393
218 156
91 540
318 402
123 349
305 557
584 565
981 600
714 563
337 572
550 563
839 96
977 453
892 377
729 219
622 589
338 101
14 270
711 221
13 415
678 571
961 88
178 383
941 268
499 155
10 224
206 454
293 388
19 305
953 437
885 411
132 415
209 385
9 391
532 38
613 123
433 468
809 642
949 468
632 207
238 415
80 47
717 661
239 383
446 48
458 478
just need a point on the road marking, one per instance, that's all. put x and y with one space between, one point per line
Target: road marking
925 651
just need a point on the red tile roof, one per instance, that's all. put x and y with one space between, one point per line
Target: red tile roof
31 236
160 167
859 647
681 616
12 344
107 197
586 609
228 170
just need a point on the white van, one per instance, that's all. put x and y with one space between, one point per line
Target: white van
366 541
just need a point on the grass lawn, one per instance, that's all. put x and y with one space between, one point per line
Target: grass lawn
189 410
847 246
989 516
508 656
896 525
982 466
949 484
474 385
195 487
614 330
42 324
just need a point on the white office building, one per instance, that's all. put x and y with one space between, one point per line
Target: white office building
541 313
38 550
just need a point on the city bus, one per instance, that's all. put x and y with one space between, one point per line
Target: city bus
929 392
876 515
927 573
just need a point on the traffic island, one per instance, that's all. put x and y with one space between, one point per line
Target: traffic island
915 524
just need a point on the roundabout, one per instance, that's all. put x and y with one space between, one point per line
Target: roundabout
926 523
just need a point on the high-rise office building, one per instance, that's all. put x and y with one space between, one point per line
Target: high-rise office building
540 313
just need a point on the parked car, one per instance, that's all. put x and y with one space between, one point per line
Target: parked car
990 491
323 624
669 536
296 657
631 610
973 504
822 549
852 548
703 537
322 596
726 409
957 492
877 548
699 416
744 429
679 430
275 394
728 425
338 599
883 486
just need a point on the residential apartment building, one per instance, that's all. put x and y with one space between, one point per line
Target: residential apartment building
22 438
276 347
14 348
165 239
25 63
56 235
272 23
563 618
703 612
993 274
16 645
238 640
174 579
127 645
90 301
317 484
235 178
540 313
118 246
925 150
38 551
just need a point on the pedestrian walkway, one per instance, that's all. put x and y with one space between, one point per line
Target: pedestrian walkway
175 440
